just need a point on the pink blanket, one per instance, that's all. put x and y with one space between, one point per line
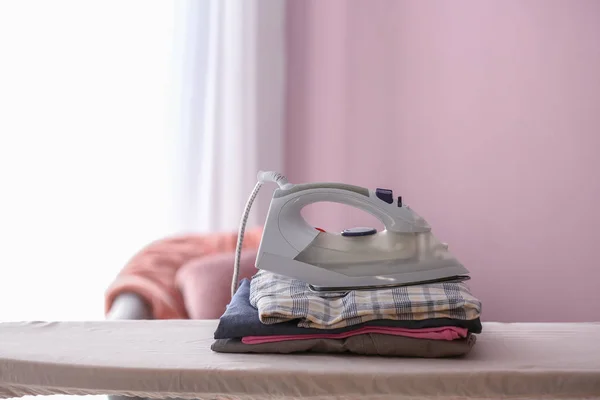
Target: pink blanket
441 333
186 276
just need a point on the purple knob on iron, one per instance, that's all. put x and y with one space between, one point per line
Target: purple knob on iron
385 195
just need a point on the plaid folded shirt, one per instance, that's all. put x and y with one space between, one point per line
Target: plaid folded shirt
279 299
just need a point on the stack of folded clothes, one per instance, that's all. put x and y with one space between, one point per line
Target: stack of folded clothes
276 314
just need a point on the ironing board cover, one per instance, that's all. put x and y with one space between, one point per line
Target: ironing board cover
160 359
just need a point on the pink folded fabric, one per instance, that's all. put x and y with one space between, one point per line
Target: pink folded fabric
441 333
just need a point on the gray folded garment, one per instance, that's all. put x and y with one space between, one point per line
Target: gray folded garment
367 344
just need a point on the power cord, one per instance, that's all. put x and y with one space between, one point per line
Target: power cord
262 176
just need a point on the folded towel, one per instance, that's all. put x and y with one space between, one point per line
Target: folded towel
279 299
442 333
241 319
367 344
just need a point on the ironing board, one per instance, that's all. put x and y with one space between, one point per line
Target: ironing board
159 359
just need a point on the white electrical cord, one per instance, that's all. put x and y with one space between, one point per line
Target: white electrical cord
268 176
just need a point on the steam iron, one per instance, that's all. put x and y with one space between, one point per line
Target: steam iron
404 253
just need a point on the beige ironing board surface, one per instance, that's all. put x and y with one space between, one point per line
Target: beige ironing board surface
173 359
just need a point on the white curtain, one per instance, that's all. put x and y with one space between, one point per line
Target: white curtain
86 152
123 121
232 118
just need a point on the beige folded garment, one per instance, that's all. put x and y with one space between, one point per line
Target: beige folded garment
280 299
367 344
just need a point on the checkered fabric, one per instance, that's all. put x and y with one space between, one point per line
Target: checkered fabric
279 299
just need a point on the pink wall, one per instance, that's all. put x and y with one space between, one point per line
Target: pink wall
484 115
